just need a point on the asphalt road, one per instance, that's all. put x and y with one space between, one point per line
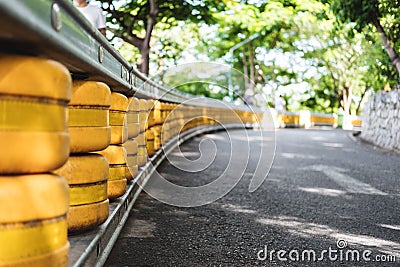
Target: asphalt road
328 200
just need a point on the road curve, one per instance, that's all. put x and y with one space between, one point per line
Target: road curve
328 200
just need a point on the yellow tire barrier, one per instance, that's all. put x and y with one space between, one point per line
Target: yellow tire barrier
119 135
157 137
141 154
131 172
116 156
118 118
117 172
84 169
32 197
87 176
32 152
89 139
133 117
33 226
150 112
84 217
19 74
58 257
158 119
89 116
116 188
131 149
33 101
150 143
142 115
88 193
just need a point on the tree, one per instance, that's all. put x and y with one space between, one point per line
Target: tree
382 14
135 20
349 68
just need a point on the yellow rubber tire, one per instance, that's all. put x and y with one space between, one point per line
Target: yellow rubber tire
87 193
32 152
143 114
131 147
117 172
115 154
19 113
150 142
141 139
150 112
34 76
20 241
58 257
131 160
32 197
79 116
134 105
149 135
157 113
133 117
89 139
118 118
90 93
131 172
119 102
84 168
133 130
141 155
116 188
119 135
150 149
89 216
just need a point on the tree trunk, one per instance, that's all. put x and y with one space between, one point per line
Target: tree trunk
362 98
388 45
145 47
346 100
145 60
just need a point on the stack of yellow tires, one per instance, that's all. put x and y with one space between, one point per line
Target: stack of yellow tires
131 146
87 172
141 139
157 124
34 94
116 153
149 134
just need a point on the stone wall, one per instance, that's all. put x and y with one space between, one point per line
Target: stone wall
381 120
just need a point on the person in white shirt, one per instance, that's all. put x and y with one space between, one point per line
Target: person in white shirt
92 13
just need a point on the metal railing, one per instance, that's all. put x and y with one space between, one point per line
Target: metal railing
56 29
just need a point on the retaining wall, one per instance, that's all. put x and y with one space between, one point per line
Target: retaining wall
381 120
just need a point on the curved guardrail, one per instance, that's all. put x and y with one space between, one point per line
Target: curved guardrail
56 30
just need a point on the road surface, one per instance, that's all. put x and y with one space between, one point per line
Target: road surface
329 200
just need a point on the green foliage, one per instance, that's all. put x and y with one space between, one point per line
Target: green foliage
327 50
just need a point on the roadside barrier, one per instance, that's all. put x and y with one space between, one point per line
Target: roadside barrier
79 128
307 119
33 202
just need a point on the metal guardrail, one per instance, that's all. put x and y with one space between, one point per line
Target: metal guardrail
56 29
